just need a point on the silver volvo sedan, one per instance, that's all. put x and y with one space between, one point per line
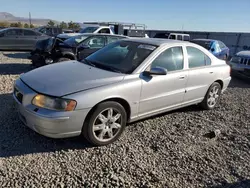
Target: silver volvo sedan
123 82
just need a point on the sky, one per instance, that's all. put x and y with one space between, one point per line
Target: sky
189 15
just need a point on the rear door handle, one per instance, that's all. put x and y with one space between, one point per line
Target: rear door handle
181 77
211 72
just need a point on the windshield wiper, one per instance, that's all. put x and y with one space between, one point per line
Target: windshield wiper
89 63
108 67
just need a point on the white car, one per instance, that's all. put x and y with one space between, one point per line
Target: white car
89 29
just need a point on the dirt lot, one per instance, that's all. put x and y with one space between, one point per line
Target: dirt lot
170 150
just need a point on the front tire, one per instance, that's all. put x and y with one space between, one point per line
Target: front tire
63 59
212 96
105 124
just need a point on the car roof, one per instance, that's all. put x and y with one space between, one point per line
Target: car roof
205 40
101 34
156 41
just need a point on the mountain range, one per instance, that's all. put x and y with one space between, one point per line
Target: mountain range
5 16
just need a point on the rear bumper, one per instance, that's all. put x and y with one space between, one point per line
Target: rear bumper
225 84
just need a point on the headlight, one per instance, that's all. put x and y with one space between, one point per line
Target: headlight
54 103
236 59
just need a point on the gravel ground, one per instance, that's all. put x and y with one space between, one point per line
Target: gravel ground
170 150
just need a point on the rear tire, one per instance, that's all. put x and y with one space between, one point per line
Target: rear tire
212 96
106 123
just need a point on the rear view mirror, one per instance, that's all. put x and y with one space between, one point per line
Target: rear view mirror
212 49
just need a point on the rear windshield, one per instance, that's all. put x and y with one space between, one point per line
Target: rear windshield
88 30
205 44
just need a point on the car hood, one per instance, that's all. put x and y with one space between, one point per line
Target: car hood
68 77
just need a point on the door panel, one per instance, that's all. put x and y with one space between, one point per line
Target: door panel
198 83
200 74
162 92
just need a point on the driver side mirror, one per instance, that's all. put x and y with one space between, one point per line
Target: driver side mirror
83 47
155 71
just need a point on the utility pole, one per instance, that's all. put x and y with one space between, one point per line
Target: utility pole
30 18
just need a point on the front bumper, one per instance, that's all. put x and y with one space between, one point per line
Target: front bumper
53 124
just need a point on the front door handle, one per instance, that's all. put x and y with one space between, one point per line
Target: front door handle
211 72
181 77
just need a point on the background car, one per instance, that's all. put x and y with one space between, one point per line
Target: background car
125 81
216 47
240 64
19 39
75 48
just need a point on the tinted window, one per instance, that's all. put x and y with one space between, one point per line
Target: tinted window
172 37
113 39
106 30
124 56
96 42
179 37
171 59
186 38
29 33
196 58
13 32
88 30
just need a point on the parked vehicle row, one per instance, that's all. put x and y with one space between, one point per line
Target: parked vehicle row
216 47
19 39
93 97
78 47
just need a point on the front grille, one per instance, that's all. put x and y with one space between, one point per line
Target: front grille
18 95
245 61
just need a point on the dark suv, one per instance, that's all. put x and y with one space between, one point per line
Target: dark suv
77 47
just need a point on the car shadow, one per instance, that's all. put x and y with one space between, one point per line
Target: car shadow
16 139
14 68
239 184
17 55
237 82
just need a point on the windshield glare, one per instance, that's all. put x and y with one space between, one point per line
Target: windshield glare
88 30
73 41
124 56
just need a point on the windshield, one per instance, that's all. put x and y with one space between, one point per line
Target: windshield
74 41
121 56
88 30
205 44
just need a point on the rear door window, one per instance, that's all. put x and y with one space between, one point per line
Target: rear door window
13 32
29 33
196 58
